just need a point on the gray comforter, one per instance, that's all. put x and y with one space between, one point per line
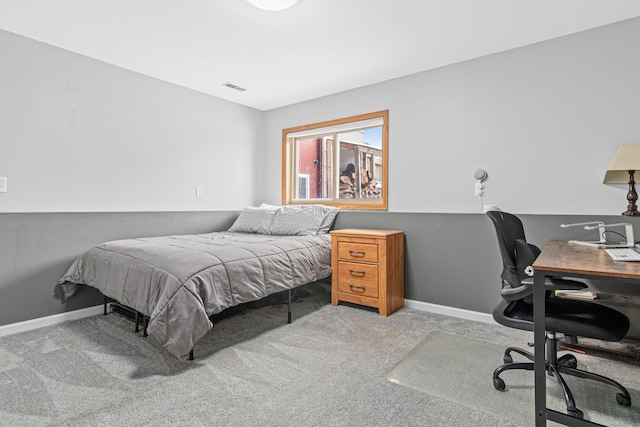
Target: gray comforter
179 281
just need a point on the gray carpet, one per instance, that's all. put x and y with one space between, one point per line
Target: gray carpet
471 362
327 368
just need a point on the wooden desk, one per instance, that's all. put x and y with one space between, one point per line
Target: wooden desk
559 258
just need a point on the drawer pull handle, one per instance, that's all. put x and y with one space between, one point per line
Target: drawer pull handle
356 253
357 273
356 288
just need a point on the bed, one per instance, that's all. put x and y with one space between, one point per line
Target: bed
180 281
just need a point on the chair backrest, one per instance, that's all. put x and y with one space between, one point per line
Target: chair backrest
508 229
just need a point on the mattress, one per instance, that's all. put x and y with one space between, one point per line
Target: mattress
179 281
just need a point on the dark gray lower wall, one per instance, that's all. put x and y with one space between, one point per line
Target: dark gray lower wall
37 248
454 260
451 259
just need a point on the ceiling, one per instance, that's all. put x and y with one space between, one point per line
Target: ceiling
316 48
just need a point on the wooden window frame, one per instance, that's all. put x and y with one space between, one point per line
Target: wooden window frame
289 176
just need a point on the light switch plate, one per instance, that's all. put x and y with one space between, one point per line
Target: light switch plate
3 184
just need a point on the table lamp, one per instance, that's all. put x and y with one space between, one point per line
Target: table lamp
621 171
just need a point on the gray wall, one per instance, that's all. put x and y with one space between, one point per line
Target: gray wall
450 259
80 135
454 260
544 120
38 248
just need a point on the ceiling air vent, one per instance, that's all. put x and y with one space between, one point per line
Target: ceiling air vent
232 86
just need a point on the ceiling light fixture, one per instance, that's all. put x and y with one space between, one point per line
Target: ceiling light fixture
273 5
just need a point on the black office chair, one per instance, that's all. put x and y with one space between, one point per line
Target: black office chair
570 317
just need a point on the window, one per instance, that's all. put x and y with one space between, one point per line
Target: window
340 162
303 186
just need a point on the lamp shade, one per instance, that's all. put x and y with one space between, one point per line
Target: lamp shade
627 159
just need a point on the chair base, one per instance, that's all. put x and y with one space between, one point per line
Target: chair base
565 365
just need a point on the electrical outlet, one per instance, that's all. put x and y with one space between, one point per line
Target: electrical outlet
199 192
3 184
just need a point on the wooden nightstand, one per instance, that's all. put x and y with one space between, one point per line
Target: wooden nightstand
368 268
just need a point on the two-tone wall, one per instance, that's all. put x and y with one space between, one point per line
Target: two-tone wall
94 153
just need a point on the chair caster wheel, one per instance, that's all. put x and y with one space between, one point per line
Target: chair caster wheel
577 413
568 360
507 359
624 401
498 384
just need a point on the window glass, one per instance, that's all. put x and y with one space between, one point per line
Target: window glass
340 162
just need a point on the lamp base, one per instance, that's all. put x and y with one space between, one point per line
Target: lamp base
632 197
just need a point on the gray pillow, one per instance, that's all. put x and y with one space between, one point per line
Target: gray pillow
254 220
325 214
296 221
329 214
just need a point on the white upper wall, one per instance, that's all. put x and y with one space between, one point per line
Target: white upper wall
543 120
80 135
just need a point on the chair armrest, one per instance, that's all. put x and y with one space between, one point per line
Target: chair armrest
513 294
525 290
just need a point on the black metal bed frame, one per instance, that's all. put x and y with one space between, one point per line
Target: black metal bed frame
137 317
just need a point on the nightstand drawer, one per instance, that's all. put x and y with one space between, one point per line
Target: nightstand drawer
358 279
357 287
358 251
356 271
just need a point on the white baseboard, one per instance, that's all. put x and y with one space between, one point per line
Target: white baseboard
450 311
41 322
27 325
